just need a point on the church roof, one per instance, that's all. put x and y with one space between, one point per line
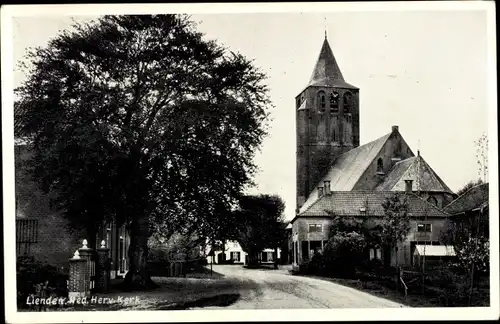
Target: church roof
348 168
327 72
416 169
367 203
475 197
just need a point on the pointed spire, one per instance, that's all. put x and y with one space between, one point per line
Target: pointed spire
327 72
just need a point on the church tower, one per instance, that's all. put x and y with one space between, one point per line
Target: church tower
327 122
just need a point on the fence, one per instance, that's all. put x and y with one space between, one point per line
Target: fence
26 235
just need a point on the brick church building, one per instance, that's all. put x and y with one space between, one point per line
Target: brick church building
338 177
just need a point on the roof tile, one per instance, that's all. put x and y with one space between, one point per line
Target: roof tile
475 197
369 203
416 169
327 72
348 168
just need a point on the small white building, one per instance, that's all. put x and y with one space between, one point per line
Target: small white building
235 254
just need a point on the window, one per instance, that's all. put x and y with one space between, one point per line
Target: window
235 256
375 253
424 228
315 228
334 101
347 103
432 200
322 100
380 165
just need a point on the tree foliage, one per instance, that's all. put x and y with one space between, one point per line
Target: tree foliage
468 186
474 253
395 223
348 239
139 119
482 156
258 222
469 234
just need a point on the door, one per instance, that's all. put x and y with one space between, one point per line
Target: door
387 256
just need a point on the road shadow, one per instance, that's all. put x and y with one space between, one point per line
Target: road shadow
222 300
261 267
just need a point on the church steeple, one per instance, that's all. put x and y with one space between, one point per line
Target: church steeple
327 121
327 73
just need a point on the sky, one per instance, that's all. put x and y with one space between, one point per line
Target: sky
425 71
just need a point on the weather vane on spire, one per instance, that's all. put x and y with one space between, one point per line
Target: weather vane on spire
325 27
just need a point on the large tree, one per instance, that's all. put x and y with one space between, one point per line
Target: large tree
257 221
468 186
140 120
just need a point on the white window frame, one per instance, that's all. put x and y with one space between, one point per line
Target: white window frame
424 224
235 254
320 226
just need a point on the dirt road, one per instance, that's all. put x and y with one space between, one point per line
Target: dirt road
276 289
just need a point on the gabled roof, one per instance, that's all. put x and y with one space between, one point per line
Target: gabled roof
347 169
475 197
367 203
416 169
327 72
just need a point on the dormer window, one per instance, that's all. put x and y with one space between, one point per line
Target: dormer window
432 200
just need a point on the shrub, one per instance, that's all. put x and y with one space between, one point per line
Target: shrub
158 264
31 275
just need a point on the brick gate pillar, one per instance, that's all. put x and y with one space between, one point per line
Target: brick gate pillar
86 254
102 268
76 282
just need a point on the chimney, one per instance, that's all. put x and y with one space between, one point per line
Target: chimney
409 185
395 128
320 192
327 187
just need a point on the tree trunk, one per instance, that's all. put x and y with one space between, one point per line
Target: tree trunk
137 277
471 283
275 253
397 265
223 252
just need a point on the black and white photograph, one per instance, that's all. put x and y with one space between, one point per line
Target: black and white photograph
252 161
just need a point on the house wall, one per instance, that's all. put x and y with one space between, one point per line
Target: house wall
230 246
56 242
300 233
